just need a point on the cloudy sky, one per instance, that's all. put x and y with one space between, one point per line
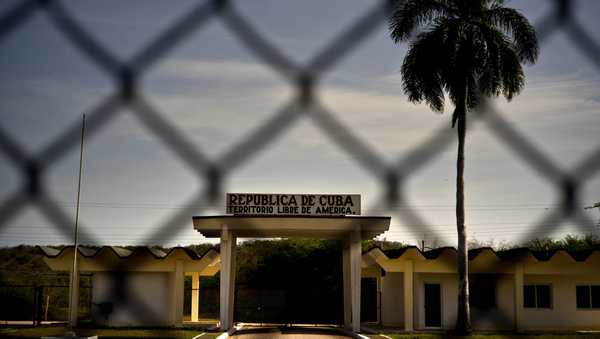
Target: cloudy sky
216 92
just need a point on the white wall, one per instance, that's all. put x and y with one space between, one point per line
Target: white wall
449 291
564 314
153 289
502 317
392 301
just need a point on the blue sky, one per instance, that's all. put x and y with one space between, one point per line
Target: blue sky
216 92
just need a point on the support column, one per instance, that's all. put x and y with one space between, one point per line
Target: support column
379 306
355 276
518 295
195 294
232 280
346 279
227 273
408 296
178 293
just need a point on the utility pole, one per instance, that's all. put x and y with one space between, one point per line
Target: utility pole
596 205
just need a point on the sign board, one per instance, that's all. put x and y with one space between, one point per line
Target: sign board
292 204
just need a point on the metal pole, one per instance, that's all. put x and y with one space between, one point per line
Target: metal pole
596 205
35 305
74 276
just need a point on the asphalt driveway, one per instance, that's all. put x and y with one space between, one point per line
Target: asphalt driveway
290 333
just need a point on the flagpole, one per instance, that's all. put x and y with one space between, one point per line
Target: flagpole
74 283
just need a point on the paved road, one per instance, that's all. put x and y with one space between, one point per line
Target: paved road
289 333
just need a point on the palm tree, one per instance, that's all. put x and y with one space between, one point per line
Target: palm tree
462 48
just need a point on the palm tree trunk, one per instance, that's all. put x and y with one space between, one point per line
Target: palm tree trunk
463 319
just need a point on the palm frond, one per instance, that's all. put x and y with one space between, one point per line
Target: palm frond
513 78
425 65
421 82
490 76
473 92
469 48
518 27
408 16
503 73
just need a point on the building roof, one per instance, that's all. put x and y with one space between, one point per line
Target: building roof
505 255
134 259
121 252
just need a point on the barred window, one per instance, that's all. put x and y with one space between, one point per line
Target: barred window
537 296
588 296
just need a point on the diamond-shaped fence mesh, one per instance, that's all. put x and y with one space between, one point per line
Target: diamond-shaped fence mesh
303 78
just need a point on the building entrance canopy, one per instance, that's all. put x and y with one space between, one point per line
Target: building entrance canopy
274 226
351 229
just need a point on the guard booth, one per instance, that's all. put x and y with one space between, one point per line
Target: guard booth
251 215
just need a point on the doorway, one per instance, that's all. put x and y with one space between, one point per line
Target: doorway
369 297
433 305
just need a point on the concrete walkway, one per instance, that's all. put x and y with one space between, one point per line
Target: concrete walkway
289 333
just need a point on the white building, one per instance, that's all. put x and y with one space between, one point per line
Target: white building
510 290
141 287
413 290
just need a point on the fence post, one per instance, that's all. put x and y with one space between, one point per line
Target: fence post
39 302
33 316
46 307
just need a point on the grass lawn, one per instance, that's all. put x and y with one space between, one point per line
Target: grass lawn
37 332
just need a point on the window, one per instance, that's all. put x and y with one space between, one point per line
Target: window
537 296
543 296
529 296
588 296
482 291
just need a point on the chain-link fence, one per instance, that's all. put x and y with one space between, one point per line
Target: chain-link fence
303 78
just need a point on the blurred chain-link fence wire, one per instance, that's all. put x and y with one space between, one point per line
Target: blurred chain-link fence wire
303 78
